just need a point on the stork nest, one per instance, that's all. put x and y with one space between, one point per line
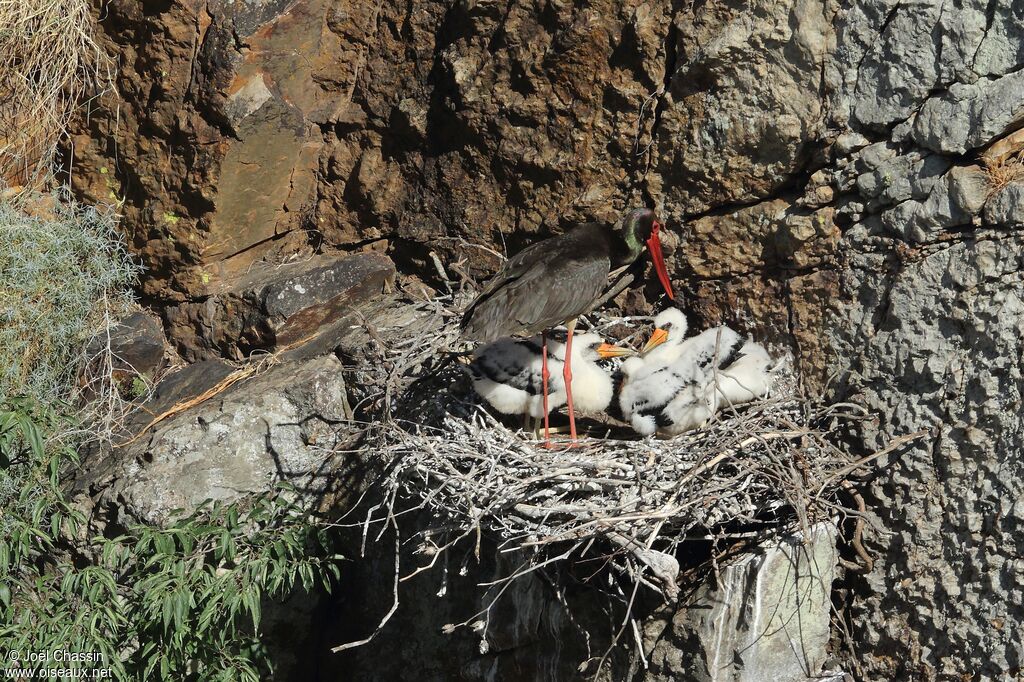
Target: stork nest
773 465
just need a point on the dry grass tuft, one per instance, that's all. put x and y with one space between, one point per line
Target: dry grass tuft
1004 171
50 64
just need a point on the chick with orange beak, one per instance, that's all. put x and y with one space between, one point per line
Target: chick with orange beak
678 383
641 384
508 374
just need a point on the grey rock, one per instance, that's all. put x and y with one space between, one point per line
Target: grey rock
901 178
953 201
850 142
936 345
281 426
768 618
1002 48
902 131
760 58
1006 207
873 156
898 65
969 188
901 220
890 56
970 116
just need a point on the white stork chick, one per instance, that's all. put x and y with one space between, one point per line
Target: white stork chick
663 347
507 374
747 377
714 368
640 385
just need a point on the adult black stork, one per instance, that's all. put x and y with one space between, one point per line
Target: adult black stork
558 279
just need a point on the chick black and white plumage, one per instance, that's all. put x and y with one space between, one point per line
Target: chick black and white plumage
653 380
746 378
681 388
507 374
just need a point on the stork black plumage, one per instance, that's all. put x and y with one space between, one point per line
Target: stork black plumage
558 279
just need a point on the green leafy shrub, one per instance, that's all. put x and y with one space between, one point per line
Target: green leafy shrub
33 512
182 602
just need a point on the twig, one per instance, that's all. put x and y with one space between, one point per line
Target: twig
893 445
391 611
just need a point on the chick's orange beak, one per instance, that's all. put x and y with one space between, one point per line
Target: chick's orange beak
607 350
654 247
659 337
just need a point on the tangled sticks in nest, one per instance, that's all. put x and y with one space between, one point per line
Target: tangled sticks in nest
774 463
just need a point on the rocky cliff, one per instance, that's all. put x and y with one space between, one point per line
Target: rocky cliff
844 178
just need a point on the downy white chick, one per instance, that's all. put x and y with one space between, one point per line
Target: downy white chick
644 379
507 374
744 379
712 369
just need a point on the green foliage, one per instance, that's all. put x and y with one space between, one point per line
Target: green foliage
182 602
64 273
138 387
33 512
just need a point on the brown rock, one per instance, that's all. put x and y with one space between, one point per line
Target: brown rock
813 299
274 308
215 154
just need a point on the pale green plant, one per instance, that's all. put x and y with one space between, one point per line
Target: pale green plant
64 275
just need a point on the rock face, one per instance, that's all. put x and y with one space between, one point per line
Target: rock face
937 346
841 178
138 349
270 308
282 426
768 618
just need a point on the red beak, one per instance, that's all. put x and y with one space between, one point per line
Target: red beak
654 246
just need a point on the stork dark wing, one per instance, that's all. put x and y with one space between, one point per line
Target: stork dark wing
544 285
516 266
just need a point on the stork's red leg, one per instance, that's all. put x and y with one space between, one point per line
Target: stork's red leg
567 377
544 376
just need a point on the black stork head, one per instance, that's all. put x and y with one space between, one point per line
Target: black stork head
639 228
